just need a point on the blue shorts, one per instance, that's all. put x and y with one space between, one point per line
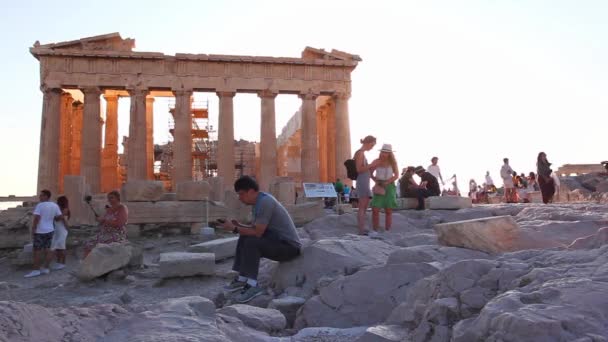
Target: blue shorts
43 241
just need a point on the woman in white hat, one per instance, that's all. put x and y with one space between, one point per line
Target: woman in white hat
385 193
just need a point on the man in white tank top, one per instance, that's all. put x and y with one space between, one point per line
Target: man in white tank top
43 226
434 169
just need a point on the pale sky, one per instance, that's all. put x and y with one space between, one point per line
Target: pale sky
468 81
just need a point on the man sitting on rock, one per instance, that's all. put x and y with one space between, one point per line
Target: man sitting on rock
271 235
428 184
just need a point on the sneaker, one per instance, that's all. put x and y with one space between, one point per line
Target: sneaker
45 271
248 293
373 234
235 285
57 267
34 273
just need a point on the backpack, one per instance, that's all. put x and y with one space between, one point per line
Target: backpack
351 169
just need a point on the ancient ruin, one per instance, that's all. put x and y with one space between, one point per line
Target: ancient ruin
107 66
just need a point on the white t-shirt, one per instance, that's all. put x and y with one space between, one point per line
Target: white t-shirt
435 171
489 180
47 212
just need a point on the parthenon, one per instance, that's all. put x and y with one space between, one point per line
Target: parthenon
75 140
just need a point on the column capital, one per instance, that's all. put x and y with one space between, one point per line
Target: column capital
341 96
268 93
137 91
309 95
225 93
181 92
112 97
47 89
150 98
91 90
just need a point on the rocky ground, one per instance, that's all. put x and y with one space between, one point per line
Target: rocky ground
402 286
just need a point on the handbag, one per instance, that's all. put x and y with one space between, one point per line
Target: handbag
378 190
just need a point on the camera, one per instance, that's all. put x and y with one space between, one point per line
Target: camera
217 223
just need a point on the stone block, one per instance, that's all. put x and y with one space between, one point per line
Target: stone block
222 248
183 264
407 203
288 306
216 189
133 231
491 234
448 202
345 208
192 191
284 190
103 259
142 191
535 197
175 212
267 320
495 199
168 196
385 333
75 189
305 212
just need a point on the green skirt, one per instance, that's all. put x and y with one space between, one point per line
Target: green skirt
388 200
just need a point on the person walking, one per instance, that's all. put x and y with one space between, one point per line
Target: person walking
545 181
363 177
385 197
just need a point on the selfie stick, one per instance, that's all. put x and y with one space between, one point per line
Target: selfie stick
88 200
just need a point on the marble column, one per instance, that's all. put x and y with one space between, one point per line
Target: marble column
225 142
182 138
268 141
48 160
150 138
136 159
323 144
331 141
343 151
65 140
109 179
90 160
75 151
310 148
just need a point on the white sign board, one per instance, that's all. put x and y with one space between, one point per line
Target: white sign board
319 190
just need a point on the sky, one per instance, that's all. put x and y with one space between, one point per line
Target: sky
470 82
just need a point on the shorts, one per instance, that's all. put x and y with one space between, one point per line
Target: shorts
43 241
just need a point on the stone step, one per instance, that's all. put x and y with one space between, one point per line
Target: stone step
184 264
490 234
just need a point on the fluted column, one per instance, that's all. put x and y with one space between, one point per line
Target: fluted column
90 160
342 130
65 140
136 159
109 165
225 142
310 152
48 161
182 137
76 146
268 140
150 137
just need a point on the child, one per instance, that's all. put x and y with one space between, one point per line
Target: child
61 233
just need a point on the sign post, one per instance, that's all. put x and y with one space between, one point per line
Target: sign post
321 190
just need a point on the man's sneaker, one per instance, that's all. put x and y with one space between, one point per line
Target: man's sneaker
34 273
235 285
373 234
45 271
57 267
248 293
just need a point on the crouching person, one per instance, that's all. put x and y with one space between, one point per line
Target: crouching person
271 235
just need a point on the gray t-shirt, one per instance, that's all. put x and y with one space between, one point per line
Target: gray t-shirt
267 210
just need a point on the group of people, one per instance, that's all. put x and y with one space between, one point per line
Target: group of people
50 230
517 186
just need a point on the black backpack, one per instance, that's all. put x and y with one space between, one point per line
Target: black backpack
351 169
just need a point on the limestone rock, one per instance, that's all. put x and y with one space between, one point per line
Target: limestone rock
490 235
288 306
305 212
326 334
385 333
283 189
103 259
448 202
193 191
338 257
257 318
364 298
592 241
168 197
407 203
15 227
430 254
182 264
222 248
142 191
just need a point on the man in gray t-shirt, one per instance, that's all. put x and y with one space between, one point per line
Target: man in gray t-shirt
271 235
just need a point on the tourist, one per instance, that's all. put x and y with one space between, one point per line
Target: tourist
339 187
407 185
384 175
435 170
532 183
112 223
557 183
507 179
473 190
346 193
489 182
429 186
45 213
271 234
61 234
545 181
364 169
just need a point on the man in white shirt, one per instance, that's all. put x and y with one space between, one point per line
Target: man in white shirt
506 173
45 214
434 169
489 180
